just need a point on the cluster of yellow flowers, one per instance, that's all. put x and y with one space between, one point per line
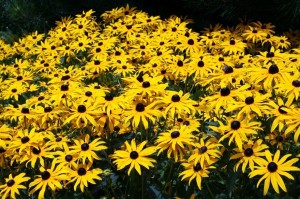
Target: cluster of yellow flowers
178 93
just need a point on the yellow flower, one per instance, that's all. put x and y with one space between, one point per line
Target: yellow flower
176 103
250 153
82 175
141 114
49 178
254 34
237 130
206 151
175 141
12 185
272 169
86 149
195 171
135 156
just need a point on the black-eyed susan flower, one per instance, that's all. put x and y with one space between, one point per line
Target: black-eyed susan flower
12 186
135 156
278 139
109 102
176 103
272 169
66 157
251 152
51 177
269 75
205 152
291 88
237 130
281 111
254 34
37 154
86 149
141 114
282 42
82 112
174 142
195 171
258 104
233 46
82 174
224 98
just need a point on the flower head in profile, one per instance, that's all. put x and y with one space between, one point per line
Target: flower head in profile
272 169
135 156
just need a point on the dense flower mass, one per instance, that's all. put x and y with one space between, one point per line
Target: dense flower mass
133 100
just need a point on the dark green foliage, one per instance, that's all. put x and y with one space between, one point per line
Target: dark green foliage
24 16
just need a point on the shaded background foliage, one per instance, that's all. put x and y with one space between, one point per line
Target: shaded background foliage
18 17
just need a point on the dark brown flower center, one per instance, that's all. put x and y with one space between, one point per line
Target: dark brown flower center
47 109
249 100
146 84
180 63
140 107
191 42
248 152
81 108
273 69
24 139
197 167
186 123
235 125
203 149
175 134
228 69
279 138
10 183
296 83
45 175
117 129
272 167
175 98
134 155
65 77
25 110
88 93
225 91
40 98
270 54
85 146
109 97
81 171
68 158
64 87
200 63
36 151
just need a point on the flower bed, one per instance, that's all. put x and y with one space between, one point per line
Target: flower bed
136 106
